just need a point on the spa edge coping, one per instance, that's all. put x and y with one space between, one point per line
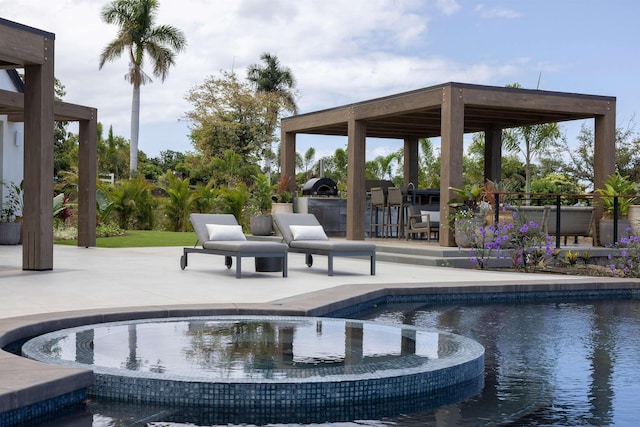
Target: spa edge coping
25 382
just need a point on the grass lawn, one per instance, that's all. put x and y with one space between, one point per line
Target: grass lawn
140 239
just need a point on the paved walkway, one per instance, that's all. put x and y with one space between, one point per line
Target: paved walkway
95 278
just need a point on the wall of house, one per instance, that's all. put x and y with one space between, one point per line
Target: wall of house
11 143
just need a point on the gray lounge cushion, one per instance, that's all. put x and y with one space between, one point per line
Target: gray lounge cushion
245 246
332 245
284 221
200 222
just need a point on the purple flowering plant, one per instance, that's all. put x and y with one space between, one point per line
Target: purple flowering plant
487 242
529 247
625 261
533 248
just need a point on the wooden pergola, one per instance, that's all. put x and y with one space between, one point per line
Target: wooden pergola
447 111
28 48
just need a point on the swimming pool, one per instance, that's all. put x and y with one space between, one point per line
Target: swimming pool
565 362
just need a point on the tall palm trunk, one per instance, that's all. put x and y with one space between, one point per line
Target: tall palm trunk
135 130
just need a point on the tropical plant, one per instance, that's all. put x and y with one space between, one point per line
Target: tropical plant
104 206
178 206
385 164
308 162
336 166
204 197
261 194
61 210
235 200
133 204
428 165
556 183
12 204
468 196
283 191
113 154
139 35
618 190
232 168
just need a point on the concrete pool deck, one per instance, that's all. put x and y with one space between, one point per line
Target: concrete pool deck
90 285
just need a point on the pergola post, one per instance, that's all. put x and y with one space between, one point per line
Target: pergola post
410 161
492 154
288 157
87 172
604 156
356 191
37 225
452 149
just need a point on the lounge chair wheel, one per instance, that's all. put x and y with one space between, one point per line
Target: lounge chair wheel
183 262
228 261
309 260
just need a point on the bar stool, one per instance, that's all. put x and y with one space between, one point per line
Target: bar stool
377 202
395 200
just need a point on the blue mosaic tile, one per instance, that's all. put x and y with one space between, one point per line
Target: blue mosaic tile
41 411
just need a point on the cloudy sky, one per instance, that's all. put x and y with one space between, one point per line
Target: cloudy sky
349 51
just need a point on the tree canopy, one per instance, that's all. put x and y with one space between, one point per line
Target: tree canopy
227 114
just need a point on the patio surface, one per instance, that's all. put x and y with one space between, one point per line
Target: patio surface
90 285
98 278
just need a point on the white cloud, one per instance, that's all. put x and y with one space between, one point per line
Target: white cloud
340 52
448 7
496 12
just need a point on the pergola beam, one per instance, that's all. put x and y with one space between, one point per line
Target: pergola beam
21 45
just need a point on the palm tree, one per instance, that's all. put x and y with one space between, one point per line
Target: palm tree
139 35
385 164
274 79
537 139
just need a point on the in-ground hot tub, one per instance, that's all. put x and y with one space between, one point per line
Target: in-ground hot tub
240 363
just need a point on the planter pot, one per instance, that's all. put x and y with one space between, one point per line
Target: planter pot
634 218
465 231
261 225
268 264
606 231
9 233
280 208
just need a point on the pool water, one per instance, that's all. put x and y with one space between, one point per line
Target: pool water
547 364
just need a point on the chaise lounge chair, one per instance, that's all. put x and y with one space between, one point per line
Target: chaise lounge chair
304 234
220 234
